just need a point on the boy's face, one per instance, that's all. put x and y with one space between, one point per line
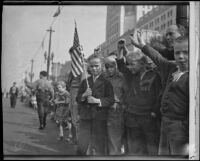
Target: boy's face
95 66
111 70
60 88
181 55
135 66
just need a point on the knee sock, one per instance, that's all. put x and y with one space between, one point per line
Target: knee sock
70 129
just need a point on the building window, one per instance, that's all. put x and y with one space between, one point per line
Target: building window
171 12
170 22
164 17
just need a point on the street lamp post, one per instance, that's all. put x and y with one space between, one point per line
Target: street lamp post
49 51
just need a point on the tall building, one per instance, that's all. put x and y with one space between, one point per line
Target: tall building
61 71
144 9
159 18
119 20
56 69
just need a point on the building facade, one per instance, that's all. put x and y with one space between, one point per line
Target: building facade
121 20
144 9
60 71
159 18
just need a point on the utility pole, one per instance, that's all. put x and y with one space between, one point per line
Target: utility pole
48 58
31 74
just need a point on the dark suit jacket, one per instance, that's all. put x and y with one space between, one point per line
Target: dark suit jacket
101 89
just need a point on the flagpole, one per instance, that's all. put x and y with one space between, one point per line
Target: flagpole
82 57
84 68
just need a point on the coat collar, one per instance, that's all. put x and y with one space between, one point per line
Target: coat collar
97 83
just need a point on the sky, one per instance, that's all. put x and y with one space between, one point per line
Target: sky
24 27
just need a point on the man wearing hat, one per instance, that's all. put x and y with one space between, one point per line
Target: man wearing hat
141 102
13 95
115 123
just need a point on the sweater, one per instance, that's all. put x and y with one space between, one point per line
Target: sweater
175 99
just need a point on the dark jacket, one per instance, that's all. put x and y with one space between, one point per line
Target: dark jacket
175 99
118 83
14 91
101 89
166 53
141 95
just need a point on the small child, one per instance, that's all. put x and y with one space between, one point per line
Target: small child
62 107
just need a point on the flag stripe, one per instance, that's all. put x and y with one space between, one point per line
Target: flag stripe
73 73
76 60
77 66
76 63
76 56
76 70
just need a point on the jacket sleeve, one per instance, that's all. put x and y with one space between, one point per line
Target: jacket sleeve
32 85
17 92
122 67
108 98
158 91
163 64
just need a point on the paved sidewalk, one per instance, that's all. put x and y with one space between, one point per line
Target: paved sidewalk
21 135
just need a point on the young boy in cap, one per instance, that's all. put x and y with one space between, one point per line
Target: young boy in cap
141 102
94 101
175 100
115 115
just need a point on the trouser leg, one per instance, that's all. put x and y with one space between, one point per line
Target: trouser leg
178 135
45 115
14 101
41 114
84 136
164 143
151 132
74 113
99 137
115 133
135 141
11 101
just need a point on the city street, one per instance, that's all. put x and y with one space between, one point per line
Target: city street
21 135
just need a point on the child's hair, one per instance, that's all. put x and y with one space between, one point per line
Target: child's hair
61 83
137 56
110 62
95 56
43 73
181 39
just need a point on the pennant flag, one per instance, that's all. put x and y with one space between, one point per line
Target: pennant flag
76 56
57 12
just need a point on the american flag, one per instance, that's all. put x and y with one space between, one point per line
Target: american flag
76 56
